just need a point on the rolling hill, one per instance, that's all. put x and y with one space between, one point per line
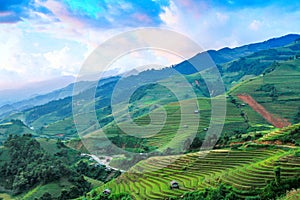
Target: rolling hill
260 134
247 171
238 64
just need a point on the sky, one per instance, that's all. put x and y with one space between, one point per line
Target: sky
43 39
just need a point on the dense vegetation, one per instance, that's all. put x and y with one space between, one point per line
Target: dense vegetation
28 164
25 164
14 127
98 172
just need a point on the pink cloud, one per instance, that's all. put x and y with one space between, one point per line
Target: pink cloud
194 7
5 14
142 17
63 14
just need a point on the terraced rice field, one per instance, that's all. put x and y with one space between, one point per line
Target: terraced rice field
245 170
276 134
181 123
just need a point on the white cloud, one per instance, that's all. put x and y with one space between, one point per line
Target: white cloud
255 25
59 58
216 27
21 62
223 18
170 17
143 58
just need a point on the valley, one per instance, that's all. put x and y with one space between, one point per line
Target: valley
135 149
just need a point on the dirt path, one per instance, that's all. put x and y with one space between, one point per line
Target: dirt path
103 161
277 122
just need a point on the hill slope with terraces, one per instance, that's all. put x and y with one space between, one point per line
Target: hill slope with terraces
248 171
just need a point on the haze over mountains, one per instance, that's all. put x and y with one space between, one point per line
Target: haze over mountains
43 92
33 89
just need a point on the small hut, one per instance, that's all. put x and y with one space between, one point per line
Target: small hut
107 192
196 111
173 185
205 129
185 126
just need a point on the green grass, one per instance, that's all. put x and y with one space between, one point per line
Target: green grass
13 128
95 183
53 188
49 145
5 196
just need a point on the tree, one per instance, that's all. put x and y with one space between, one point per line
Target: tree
297 116
277 172
46 196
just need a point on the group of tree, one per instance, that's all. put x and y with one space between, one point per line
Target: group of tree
99 172
27 165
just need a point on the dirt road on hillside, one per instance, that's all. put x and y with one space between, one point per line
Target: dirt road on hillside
276 121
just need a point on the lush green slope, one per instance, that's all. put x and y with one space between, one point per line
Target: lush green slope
54 119
31 168
288 135
240 119
14 127
248 171
277 91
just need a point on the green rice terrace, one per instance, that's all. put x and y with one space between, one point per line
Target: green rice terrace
247 170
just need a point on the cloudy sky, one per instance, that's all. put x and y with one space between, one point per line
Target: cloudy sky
42 39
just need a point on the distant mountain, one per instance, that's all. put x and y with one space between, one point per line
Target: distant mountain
243 63
34 89
227 54
43 99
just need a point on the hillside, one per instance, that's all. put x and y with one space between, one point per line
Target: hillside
26 104
14 127
247 171
32 89
226 54
241 118
256 152
238 64
31 168
277 91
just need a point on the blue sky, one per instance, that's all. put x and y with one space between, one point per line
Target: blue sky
42 39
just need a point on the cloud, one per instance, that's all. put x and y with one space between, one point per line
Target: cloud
255 25
223 18
104 14
13 11
10 79
9 17
245 4
231 23
46 38
35 57
63 61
